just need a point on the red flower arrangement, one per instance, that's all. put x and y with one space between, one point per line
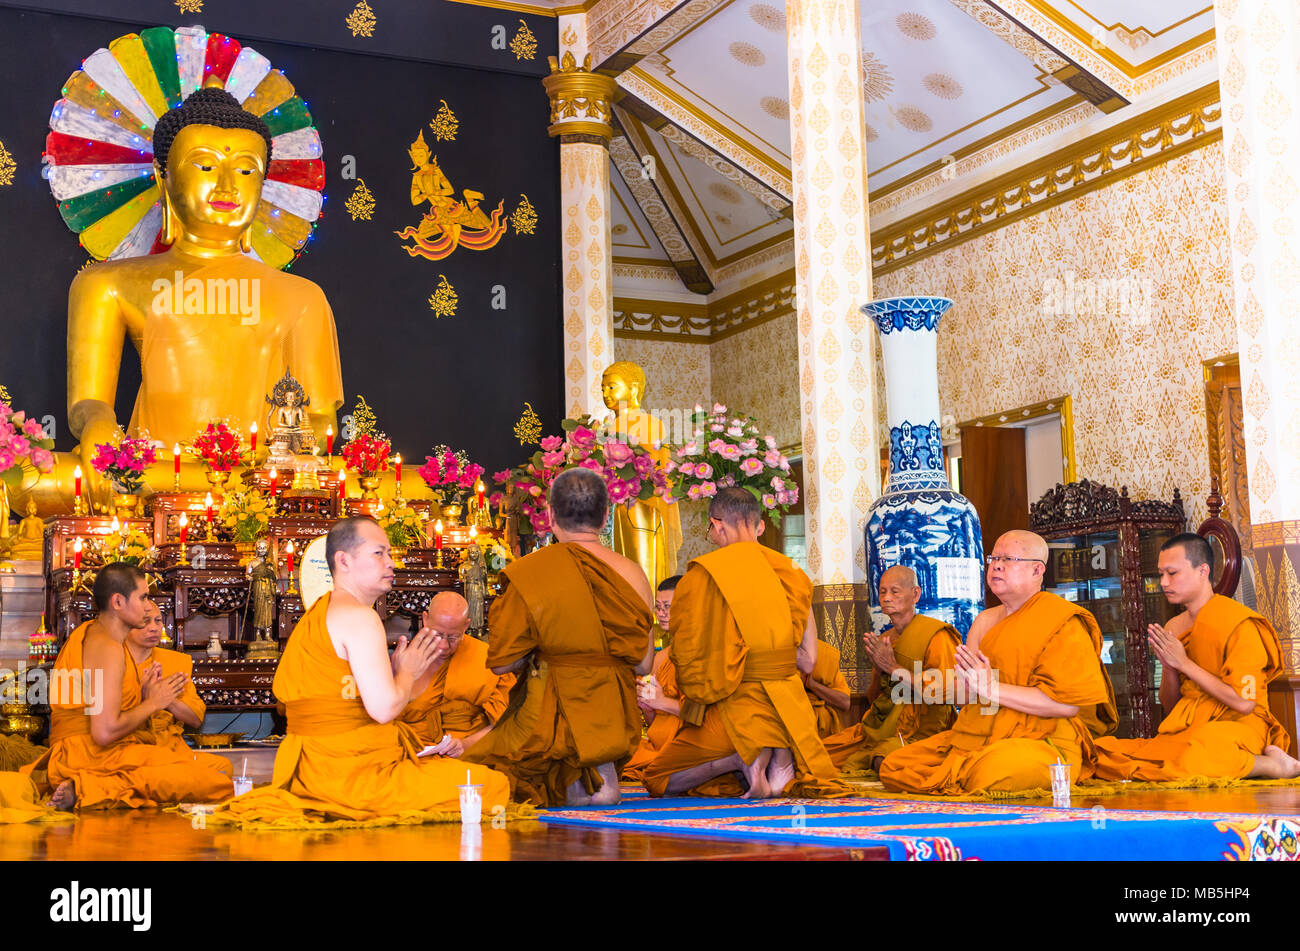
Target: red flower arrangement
124 463
367 454
449 473
218 447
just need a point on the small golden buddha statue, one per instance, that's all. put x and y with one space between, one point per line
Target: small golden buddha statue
29 544
214 327
287 424
650 531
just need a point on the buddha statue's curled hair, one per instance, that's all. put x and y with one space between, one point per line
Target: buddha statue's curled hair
209 106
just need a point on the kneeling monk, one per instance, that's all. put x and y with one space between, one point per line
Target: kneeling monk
574 620
659 699
188 710
464 698
345 755
1031 670
741 636
1218 658
915 651
103 753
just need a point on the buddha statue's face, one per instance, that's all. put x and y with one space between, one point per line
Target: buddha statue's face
616 390
214 180
419 154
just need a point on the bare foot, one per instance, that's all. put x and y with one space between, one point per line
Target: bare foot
577 794
608 794
756 773
1277 764
780 773
64 798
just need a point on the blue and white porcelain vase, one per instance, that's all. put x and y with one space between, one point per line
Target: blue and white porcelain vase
919 521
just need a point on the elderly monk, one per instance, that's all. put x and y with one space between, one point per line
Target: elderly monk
827 690
103 752
658 695
914 652
168 725
345 754
1034 686
464 698
742 634
574 620
1218 658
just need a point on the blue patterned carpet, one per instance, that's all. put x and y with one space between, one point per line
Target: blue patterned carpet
929 831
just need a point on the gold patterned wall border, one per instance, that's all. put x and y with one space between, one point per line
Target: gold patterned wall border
362 20
766 300
1021 414
1186 123
361 203
7 166
707 322
652 319
1275 534
443 300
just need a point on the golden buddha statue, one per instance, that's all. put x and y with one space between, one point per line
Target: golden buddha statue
288 427
29 545
214 327
650 531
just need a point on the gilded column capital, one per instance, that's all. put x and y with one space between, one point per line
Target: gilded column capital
580 100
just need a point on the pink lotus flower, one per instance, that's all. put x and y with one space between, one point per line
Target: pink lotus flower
784 464
694 494
735 432
772 458
503 476
751 467
618 453
535 490
692 448
749 447
551 443
42 459
686 468
770 441
778 483
727 481
644 465
593 465
719 409
717 446
541 521
708 490
621 491
769 501
583 438
7 460
551 459
717 427
703 471
730 451
33 428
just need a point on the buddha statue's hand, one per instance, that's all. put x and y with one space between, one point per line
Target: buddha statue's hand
98 489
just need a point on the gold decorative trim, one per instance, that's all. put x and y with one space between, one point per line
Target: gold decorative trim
518 7
1276 534
1063 405
580 99
641 319
1186 123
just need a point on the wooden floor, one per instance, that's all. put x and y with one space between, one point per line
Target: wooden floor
151 835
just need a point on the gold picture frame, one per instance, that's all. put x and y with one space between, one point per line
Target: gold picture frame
1020 414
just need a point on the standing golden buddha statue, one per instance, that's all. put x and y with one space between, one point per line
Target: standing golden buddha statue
650 531
214 327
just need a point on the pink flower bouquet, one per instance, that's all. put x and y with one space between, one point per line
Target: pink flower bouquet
124 463
726 450
22 443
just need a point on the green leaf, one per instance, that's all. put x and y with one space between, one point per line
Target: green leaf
13 476
569 425
626 472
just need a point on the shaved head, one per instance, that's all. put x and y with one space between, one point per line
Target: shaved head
899 573
449 611
1027 544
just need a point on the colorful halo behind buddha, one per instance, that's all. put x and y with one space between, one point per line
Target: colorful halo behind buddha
99 151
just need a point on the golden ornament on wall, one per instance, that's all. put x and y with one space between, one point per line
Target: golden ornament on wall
569 36
445 124
189 6
7 166
362 202
443 301
529 428
4 394
524 44
363 418
361 21
524 217
449 223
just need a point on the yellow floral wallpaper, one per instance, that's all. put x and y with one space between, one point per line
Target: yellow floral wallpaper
757 371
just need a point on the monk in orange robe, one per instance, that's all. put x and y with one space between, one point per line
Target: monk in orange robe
912 652
345 754
827 690
103 753
1034 689
657 695
1218 658
574 621
187 710
741 636
464 698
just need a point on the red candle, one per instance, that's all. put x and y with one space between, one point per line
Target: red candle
399 470
437 534
207 502
288 551
478 489
343 484
329 440
252 437
76 474
275 477
185 527
176 460
76 555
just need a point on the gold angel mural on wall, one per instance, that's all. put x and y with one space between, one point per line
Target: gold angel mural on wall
449 222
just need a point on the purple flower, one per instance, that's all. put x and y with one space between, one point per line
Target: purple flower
620 491
644 465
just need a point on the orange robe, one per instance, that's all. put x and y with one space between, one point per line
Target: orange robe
663 728
167 730
134 771
738 617
463 697
574 707
1202 736
337 763
927 644
826 671
1051 644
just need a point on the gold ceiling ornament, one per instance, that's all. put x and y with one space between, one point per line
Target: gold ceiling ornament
877 83
916 25
7 166
189 6
361 21
443 301
524 217
361 204
445 124
524 44
580 99
529 428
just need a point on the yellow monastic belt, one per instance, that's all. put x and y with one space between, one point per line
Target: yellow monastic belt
66 723
585 659
770 665
325 717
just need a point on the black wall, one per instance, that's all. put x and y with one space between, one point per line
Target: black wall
461 380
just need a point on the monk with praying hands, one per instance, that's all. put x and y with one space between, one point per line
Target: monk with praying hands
913 660
1034 689
463 698
187 710
573 621
103 751
345 754
1218 657
742 635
